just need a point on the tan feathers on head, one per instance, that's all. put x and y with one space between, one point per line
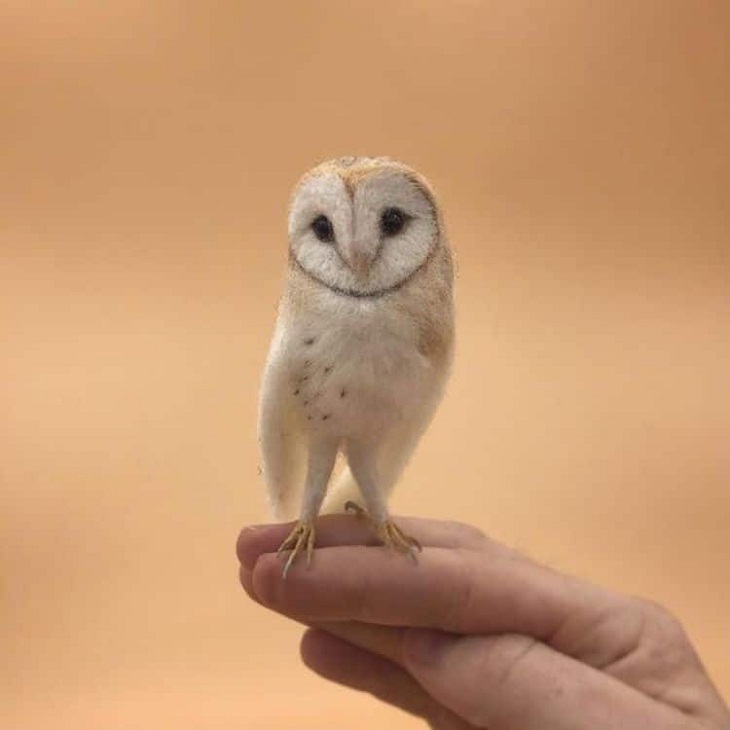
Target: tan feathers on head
353 170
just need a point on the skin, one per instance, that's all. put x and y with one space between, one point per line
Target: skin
479 636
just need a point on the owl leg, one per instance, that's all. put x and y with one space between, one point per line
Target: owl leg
363 467
322 455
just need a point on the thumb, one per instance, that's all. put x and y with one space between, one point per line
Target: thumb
511 681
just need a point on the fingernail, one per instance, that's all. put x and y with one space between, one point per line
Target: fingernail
254 528
422 646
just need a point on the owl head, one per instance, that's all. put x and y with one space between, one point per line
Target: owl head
363 226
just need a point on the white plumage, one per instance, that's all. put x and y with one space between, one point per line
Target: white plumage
363 342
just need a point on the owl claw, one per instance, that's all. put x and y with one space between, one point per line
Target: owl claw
391 535
395 539
301 537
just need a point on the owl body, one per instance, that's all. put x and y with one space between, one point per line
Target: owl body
364 336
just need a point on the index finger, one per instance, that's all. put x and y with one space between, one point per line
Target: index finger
461 591
341 529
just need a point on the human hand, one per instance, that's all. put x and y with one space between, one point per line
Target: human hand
478 636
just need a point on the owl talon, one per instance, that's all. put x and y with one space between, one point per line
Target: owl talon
300 538
395 539
391 535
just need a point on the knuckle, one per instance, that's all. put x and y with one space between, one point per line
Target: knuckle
662 622
360 599
468 533
505 664
662 639
517 652
461 595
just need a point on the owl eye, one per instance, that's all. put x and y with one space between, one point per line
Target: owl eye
392 221
323 229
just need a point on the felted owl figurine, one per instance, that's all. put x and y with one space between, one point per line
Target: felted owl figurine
362 346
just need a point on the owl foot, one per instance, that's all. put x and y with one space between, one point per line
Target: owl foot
300 538
391 535
395 539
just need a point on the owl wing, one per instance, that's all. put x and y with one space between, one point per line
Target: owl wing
281 434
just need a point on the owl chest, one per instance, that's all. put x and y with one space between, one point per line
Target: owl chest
354 376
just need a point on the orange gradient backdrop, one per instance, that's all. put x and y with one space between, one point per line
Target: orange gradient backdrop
580 151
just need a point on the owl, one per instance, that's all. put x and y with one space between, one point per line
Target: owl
362 346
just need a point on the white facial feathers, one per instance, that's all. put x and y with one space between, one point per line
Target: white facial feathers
363 258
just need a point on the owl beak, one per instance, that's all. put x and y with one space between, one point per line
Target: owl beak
360 257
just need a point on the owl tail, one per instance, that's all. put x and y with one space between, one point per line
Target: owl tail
343 489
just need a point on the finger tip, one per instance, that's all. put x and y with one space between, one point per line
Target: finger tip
326 654
266 579
309 645
245 578
253 541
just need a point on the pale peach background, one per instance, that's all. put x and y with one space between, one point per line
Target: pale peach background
580 150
